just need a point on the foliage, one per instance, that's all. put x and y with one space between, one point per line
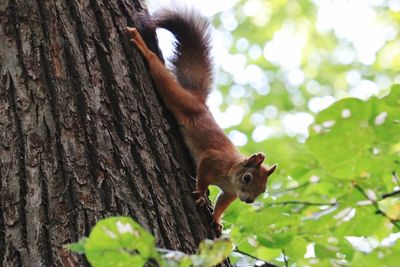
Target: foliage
331 190
120 241
311 80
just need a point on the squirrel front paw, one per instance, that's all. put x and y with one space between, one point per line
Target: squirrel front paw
199 198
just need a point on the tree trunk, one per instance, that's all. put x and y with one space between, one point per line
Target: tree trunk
83 134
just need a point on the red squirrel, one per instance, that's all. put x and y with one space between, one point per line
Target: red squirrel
184 92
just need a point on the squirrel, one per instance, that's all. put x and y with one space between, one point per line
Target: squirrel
184 92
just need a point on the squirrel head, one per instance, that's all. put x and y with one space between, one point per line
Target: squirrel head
250 177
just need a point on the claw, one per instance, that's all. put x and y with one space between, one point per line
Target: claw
136 39
200 202
200 198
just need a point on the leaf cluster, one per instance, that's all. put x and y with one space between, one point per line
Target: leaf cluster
120 241
337 195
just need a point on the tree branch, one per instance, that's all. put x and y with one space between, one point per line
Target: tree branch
375 203
285 258
396 177
396 192
266 264
305 203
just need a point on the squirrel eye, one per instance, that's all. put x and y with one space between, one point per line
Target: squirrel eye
247 178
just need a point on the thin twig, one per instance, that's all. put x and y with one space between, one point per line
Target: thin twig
296 202
396 192
266 264
375 203
285 258
396 177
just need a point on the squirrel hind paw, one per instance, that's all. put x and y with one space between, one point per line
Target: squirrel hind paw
200 199
218 227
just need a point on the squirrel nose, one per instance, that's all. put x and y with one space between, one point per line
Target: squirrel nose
249 200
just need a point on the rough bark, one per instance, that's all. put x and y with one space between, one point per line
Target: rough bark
83 134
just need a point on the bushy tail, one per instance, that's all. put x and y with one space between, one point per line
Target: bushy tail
192 61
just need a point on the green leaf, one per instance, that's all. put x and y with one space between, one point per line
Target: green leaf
391 207
297 248
324 251
278 239
119 241
211 252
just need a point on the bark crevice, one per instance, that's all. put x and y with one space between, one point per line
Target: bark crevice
44 233
22 183
60 159
158 215
102 25
110 87
72 69
2 228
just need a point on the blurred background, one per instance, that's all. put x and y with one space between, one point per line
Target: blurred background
310 83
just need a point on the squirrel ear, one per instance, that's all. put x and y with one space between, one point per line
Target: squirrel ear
255 160
271 170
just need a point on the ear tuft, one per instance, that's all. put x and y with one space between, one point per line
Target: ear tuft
272 169
255 160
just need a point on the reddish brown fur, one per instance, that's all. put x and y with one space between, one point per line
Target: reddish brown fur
218 161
